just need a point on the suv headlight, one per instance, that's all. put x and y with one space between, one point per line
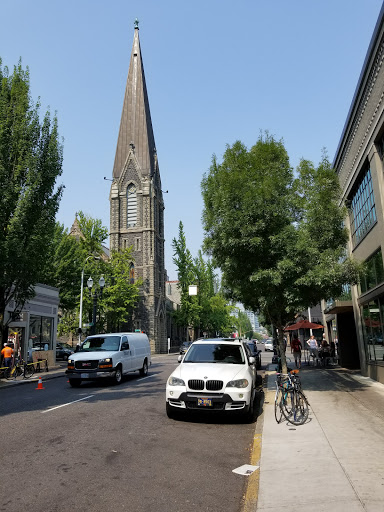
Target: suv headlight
241 383
174 381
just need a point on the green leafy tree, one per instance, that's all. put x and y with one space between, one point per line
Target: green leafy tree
122 291
30 163
243 325
183 260
208 311
278 240
94 234
63 267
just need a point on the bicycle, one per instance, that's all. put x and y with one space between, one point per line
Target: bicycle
19 368
290 401
283 385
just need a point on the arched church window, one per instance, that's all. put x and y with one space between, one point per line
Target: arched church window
131 206
132 273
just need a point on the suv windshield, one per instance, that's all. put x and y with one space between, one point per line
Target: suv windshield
214 353
100 343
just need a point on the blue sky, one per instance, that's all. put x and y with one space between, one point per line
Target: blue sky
217 71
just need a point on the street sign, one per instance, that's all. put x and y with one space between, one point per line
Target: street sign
85 326
137 330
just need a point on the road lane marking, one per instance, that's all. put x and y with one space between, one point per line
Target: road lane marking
69 403
148 377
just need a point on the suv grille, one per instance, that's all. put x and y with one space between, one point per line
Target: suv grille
196 384
214 385
210 385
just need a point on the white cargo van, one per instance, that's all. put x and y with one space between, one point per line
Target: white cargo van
109 356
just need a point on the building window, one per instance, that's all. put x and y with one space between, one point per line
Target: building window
132 273
372 323
362 209
40 333
131 206
137 244
374 274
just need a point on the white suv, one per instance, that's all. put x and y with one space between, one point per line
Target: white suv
215 375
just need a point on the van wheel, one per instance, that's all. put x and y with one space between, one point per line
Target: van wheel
75 383
118 376
144 369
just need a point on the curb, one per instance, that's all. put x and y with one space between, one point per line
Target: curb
252 487
44 375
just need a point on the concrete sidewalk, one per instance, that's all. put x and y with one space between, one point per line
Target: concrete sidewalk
335 462
53 373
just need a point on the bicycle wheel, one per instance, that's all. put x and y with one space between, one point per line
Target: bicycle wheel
300 410
278 412
10 373
29 370
287 403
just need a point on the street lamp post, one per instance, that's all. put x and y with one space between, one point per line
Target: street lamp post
81 295
95 295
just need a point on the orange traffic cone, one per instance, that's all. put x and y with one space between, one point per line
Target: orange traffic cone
40 384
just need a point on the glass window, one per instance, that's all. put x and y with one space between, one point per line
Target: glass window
103 343
372 323
374 274
132 273
362 209
40 332
131 206
214 353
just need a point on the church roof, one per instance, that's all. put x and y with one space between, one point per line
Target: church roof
135 124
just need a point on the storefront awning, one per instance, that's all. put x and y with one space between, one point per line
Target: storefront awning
338 306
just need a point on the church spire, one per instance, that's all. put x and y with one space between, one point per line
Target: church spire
135 124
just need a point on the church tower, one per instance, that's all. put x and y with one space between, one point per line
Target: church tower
136 203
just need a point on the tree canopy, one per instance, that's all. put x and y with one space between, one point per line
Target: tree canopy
30 163
279 239
209 310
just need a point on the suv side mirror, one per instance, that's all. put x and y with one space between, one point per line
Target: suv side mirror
179 359
252 360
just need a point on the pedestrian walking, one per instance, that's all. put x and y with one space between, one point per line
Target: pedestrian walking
296 351
7 354
313 349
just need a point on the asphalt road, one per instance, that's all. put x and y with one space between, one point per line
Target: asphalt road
102 447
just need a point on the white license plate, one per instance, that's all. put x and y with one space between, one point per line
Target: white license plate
84 375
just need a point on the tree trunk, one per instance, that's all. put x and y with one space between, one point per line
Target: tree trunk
282 350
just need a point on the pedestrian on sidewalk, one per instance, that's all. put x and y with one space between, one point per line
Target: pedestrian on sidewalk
332 351
296 351
7 354
313 349
325 352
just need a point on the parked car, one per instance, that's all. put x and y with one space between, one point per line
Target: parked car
185 346
63 351
109 356
255 352
214 375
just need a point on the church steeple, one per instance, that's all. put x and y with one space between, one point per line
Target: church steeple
137 206
135 126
